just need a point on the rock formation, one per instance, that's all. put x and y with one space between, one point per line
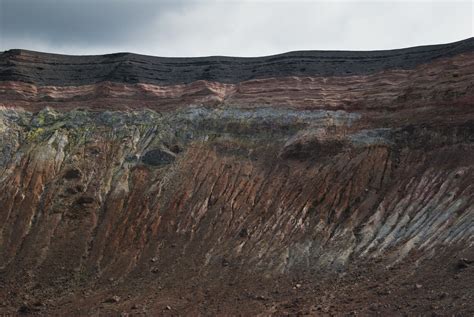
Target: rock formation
307 182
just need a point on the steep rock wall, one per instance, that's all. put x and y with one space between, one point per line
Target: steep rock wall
106 178
264 189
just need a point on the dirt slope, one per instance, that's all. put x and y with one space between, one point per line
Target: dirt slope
138 185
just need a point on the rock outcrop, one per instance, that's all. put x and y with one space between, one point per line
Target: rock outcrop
122 168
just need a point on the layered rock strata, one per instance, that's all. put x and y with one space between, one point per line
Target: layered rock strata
118 166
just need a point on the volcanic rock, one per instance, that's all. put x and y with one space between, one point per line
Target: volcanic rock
157 157
343 170
72 174
113 299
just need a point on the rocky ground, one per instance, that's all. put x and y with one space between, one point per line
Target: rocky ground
441 287
322 194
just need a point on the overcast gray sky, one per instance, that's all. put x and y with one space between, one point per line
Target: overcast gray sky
228 27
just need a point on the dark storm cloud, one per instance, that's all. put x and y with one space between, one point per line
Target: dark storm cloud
81 22
229 27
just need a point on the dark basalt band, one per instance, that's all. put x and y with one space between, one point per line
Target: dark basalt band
45 69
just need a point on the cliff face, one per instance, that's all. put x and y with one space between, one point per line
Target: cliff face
119 168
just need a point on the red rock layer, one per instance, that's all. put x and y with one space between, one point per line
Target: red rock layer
394 89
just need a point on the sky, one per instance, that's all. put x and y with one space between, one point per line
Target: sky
229 27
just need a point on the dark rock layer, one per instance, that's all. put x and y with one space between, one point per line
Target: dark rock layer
62 70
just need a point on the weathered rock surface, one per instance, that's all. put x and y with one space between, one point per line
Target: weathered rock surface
231 186
60 70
